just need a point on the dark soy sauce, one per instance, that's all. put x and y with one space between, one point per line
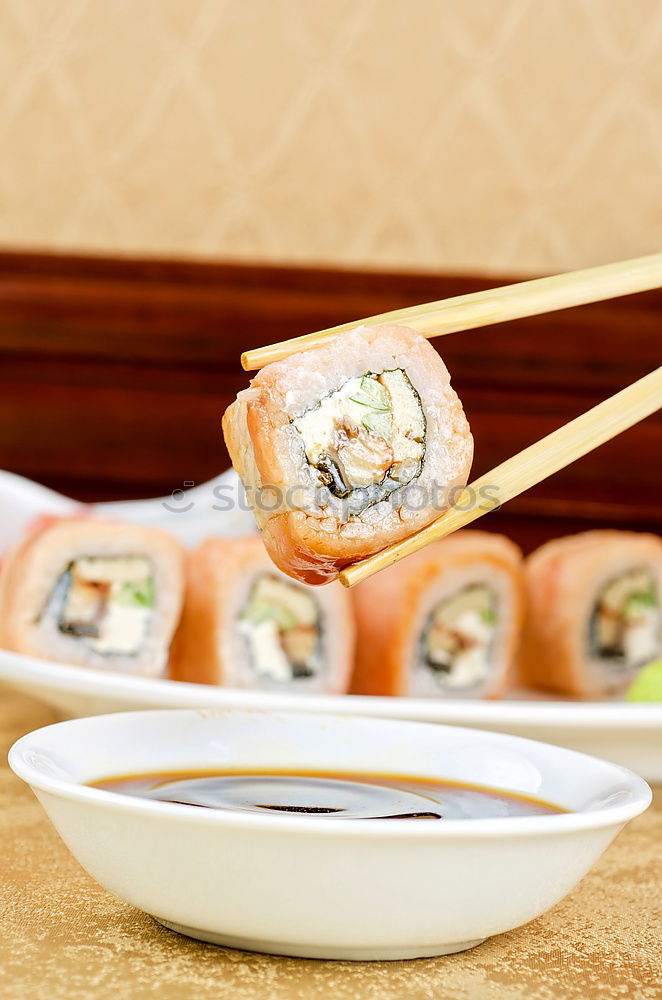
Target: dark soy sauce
327 795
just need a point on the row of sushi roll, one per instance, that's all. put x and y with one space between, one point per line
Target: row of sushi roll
130 599
465 617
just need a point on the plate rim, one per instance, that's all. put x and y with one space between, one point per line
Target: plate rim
23 672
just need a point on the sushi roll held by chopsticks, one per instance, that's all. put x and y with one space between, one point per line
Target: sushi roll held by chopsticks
443 623
594 611
93 593
247 625
348 447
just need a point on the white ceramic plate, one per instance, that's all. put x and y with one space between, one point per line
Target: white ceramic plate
325 887
630 735
218 507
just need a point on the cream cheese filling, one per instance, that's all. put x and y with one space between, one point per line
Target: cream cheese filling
626 620
280 623
366 438
105 602
457 640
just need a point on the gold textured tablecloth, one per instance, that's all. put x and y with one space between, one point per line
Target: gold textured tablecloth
63 936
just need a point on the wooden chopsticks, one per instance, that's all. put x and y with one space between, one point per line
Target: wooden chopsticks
531 466
495 305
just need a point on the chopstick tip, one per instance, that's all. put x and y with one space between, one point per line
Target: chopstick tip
353 574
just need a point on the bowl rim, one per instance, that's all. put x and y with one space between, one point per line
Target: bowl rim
605 815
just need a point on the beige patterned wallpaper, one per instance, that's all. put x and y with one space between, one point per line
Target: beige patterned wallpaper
503 135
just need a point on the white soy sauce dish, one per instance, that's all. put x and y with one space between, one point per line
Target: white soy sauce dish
324 886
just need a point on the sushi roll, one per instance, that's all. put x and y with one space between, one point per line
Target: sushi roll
443 623
247 625
594 614
348 447
93 593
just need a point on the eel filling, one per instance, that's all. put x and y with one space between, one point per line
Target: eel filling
281 625
366 439
457 640
106 602
626 620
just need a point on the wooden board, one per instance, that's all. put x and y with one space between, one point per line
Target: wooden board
114 374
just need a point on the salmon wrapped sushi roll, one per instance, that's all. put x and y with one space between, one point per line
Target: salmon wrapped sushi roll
444 623
594 612
247 625
348 447
95 594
